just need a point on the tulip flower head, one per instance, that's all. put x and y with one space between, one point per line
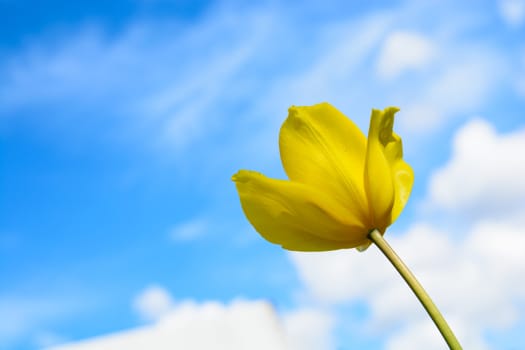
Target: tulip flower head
342 185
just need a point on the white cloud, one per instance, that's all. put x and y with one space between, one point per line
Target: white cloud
512 11
189 230
211 325
309 329
502 241
423 335
329 276
240 324
153 303
403 51
485 173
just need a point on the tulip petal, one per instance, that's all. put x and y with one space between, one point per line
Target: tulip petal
322 148
388 179
403 177
294 215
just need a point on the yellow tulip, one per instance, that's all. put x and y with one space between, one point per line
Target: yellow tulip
341 185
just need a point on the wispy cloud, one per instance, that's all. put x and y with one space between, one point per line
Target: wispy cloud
174 86
239 325
404 51
512 11
458 87
161 80
189 230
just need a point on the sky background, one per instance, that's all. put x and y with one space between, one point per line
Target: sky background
122 122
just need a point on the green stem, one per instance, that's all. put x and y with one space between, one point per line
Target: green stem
432 310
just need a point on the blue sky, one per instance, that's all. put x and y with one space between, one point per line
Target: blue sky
121 124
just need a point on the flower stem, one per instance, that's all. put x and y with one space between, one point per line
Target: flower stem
432 310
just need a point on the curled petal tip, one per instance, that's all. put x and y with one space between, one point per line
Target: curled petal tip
392 109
